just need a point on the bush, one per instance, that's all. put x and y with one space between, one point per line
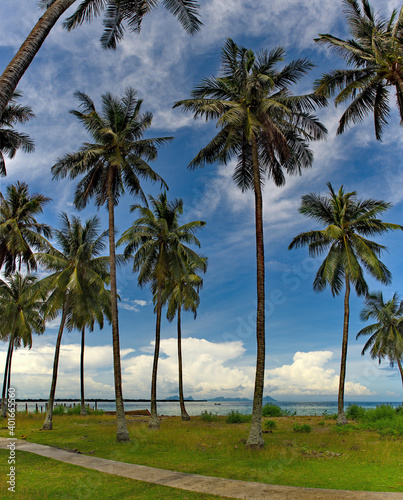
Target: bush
355 412
301 428
345 428
270 410
321 422
207 416
381 412
385 419
269 425
58 410
238 418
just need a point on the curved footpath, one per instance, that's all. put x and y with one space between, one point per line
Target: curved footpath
193 482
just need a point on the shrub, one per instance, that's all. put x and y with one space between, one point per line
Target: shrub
321 422
269 425
58 410
301 428
345 428
238 418
270 410
355 412
207 416
381 412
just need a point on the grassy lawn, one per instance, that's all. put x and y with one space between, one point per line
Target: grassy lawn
351 459
39 478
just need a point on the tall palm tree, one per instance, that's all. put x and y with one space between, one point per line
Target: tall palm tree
91 309
10 139
374 56
183 293
267 130
158 243
348 222
20 233
116 160
21 315
117 14
386 335
78 278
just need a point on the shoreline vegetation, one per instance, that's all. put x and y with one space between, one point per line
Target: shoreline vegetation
307 451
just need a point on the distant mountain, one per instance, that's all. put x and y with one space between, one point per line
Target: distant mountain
268 398
220 398
229 399
176 398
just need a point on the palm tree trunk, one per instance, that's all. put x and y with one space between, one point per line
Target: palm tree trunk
154 422
341 418
21 61
122 434
184 413
255 439
399 364
83 410
48 425
6 376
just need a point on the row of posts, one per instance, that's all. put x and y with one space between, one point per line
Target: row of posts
95 407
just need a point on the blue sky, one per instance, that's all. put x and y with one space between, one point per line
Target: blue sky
164 64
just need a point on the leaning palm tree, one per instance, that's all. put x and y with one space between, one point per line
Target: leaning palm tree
21 307
348 222
374 55
267 130
20 233
116 160
118 13
183 293
386 335
10 139
157 243
79 275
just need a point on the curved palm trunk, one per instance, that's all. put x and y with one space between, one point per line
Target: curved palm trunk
48 425
341 418
255 439
184 413
21 61
83 408
122 434
6 377
154 422
399 364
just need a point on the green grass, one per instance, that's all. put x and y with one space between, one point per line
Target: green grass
359 459
39 478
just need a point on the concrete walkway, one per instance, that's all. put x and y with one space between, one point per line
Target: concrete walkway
194 482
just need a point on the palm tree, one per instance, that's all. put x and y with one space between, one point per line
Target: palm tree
91 308
267 129
183 293
21 315
117 14
20 232
348 222
374 56
10 139
158 244
78 278
386 335
116 160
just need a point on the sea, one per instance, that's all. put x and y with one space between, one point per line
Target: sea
194 408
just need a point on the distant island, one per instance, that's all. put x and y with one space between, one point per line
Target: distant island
221 398
218 399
